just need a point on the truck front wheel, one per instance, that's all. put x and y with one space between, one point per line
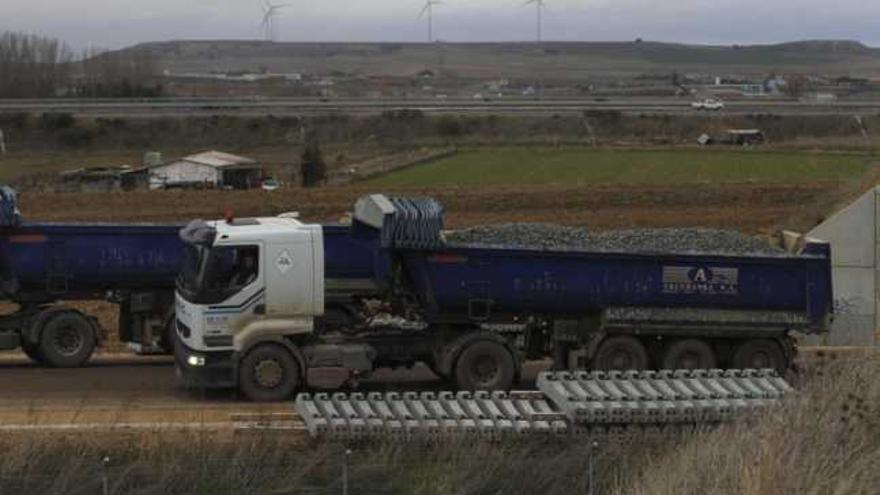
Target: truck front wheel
67 340
485 365
269 373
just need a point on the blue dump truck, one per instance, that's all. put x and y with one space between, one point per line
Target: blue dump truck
42 264
261 301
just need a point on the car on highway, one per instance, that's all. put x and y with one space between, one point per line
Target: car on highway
708 104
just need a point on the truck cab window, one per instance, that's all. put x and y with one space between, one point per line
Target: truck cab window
246 267
233 268
212 275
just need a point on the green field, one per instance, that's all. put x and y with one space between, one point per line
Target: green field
521 166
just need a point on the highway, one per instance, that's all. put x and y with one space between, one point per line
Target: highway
256 106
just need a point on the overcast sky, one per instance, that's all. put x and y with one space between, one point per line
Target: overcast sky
117 23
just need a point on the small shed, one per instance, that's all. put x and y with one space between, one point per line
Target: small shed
208 169
135 179
734 137
91 179
744 137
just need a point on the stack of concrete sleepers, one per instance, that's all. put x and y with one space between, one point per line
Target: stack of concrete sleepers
569 403
429 414
660 397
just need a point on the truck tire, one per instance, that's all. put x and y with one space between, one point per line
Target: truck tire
689 354
269 373
485 365
759 354
621 353
33 353
67 340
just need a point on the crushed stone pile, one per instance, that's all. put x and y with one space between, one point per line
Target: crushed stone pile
667 240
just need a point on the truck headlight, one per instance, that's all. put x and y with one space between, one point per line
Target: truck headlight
195 361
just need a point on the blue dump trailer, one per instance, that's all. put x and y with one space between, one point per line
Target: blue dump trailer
461 284
396 293
133 265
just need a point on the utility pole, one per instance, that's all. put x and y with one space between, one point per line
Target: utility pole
539 5
430 22
345 471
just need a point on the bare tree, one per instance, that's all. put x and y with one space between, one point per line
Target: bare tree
118 74
33 66
797 85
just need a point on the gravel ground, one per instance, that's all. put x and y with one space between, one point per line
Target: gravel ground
556 237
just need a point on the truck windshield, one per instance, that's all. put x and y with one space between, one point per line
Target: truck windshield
213 275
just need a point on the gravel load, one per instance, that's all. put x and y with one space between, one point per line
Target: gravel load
668 241
530 235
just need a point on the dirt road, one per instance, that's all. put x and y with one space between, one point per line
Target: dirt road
122 389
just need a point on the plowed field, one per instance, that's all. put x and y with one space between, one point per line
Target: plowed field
748 207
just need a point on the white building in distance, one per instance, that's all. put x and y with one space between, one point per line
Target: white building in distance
209 169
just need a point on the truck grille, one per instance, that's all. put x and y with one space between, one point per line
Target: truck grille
217 340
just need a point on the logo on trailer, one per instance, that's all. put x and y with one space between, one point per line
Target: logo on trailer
700 280
284 263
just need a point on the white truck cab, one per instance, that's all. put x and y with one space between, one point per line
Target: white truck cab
245 282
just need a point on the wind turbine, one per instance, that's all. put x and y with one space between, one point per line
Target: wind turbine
270 11
429 9
539 7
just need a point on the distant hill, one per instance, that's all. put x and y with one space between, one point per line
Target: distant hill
562 60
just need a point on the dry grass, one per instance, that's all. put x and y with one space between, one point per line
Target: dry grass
825 440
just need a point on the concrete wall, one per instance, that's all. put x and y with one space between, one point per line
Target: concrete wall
853 234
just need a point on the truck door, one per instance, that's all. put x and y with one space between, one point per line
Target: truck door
239 272
293 285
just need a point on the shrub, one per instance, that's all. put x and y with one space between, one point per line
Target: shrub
76 137
449 127
57 121
313 170
18 120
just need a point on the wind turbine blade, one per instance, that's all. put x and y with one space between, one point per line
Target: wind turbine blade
425 9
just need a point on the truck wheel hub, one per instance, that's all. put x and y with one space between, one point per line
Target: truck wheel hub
761 360
68 341
690 361
621 360
268 373
484 369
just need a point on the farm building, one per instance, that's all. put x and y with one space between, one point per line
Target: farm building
208 169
